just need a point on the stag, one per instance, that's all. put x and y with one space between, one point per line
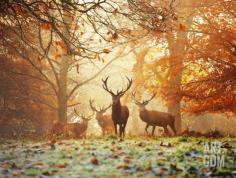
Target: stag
75 130
154 118
104 120
120 114
81 128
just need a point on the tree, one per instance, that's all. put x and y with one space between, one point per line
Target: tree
209 82
61 35
167 22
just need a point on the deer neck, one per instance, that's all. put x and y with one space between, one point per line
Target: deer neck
143 113
116 107
85 123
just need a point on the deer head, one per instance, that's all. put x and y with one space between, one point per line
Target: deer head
119 93
142 104
100 111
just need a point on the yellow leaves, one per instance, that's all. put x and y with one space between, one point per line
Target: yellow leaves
97 56
77 68
106 50
57 56
46 26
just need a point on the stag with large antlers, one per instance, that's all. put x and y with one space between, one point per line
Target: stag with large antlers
120 114
104 120
154 118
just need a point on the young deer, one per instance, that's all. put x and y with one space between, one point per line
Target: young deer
81 128
120 114
74 130
104 121
154 118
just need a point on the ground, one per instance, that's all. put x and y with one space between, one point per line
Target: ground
109 157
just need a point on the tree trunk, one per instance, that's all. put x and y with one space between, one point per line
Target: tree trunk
177 51
62 89
64 67
177 42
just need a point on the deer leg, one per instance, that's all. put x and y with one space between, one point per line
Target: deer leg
124 129
120 130
172 126
166 130
115 126
146 128
153 130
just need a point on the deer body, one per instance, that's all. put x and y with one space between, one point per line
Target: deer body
74 130
104 120
106 124
120 114
155 118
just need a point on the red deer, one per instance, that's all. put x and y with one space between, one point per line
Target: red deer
120 114
154 118
104 120
74 130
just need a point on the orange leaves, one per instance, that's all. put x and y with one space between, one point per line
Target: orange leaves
46 26
77 67
57 56
60 44
19 10
94 160
61 165
112 37
97 56
182 28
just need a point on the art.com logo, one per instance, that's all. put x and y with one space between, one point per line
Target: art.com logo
213 155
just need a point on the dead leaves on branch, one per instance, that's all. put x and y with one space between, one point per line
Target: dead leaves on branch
46 26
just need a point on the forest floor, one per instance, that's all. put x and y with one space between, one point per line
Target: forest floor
109 157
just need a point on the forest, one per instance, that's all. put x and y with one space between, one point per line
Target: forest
117 88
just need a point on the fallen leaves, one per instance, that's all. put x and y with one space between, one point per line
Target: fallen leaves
94 160
63 165
133 157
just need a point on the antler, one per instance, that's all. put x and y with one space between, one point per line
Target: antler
119 93
83 117
106 108
105 86
88 117
122 92
103 109
147 101
92 106
144 102
133 97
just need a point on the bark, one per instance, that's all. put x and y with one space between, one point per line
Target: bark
138 70
62 88
64 67
177 43
177 52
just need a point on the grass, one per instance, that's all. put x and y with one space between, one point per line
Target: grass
109 157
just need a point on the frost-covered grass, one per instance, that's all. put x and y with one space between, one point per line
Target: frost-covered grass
109 157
